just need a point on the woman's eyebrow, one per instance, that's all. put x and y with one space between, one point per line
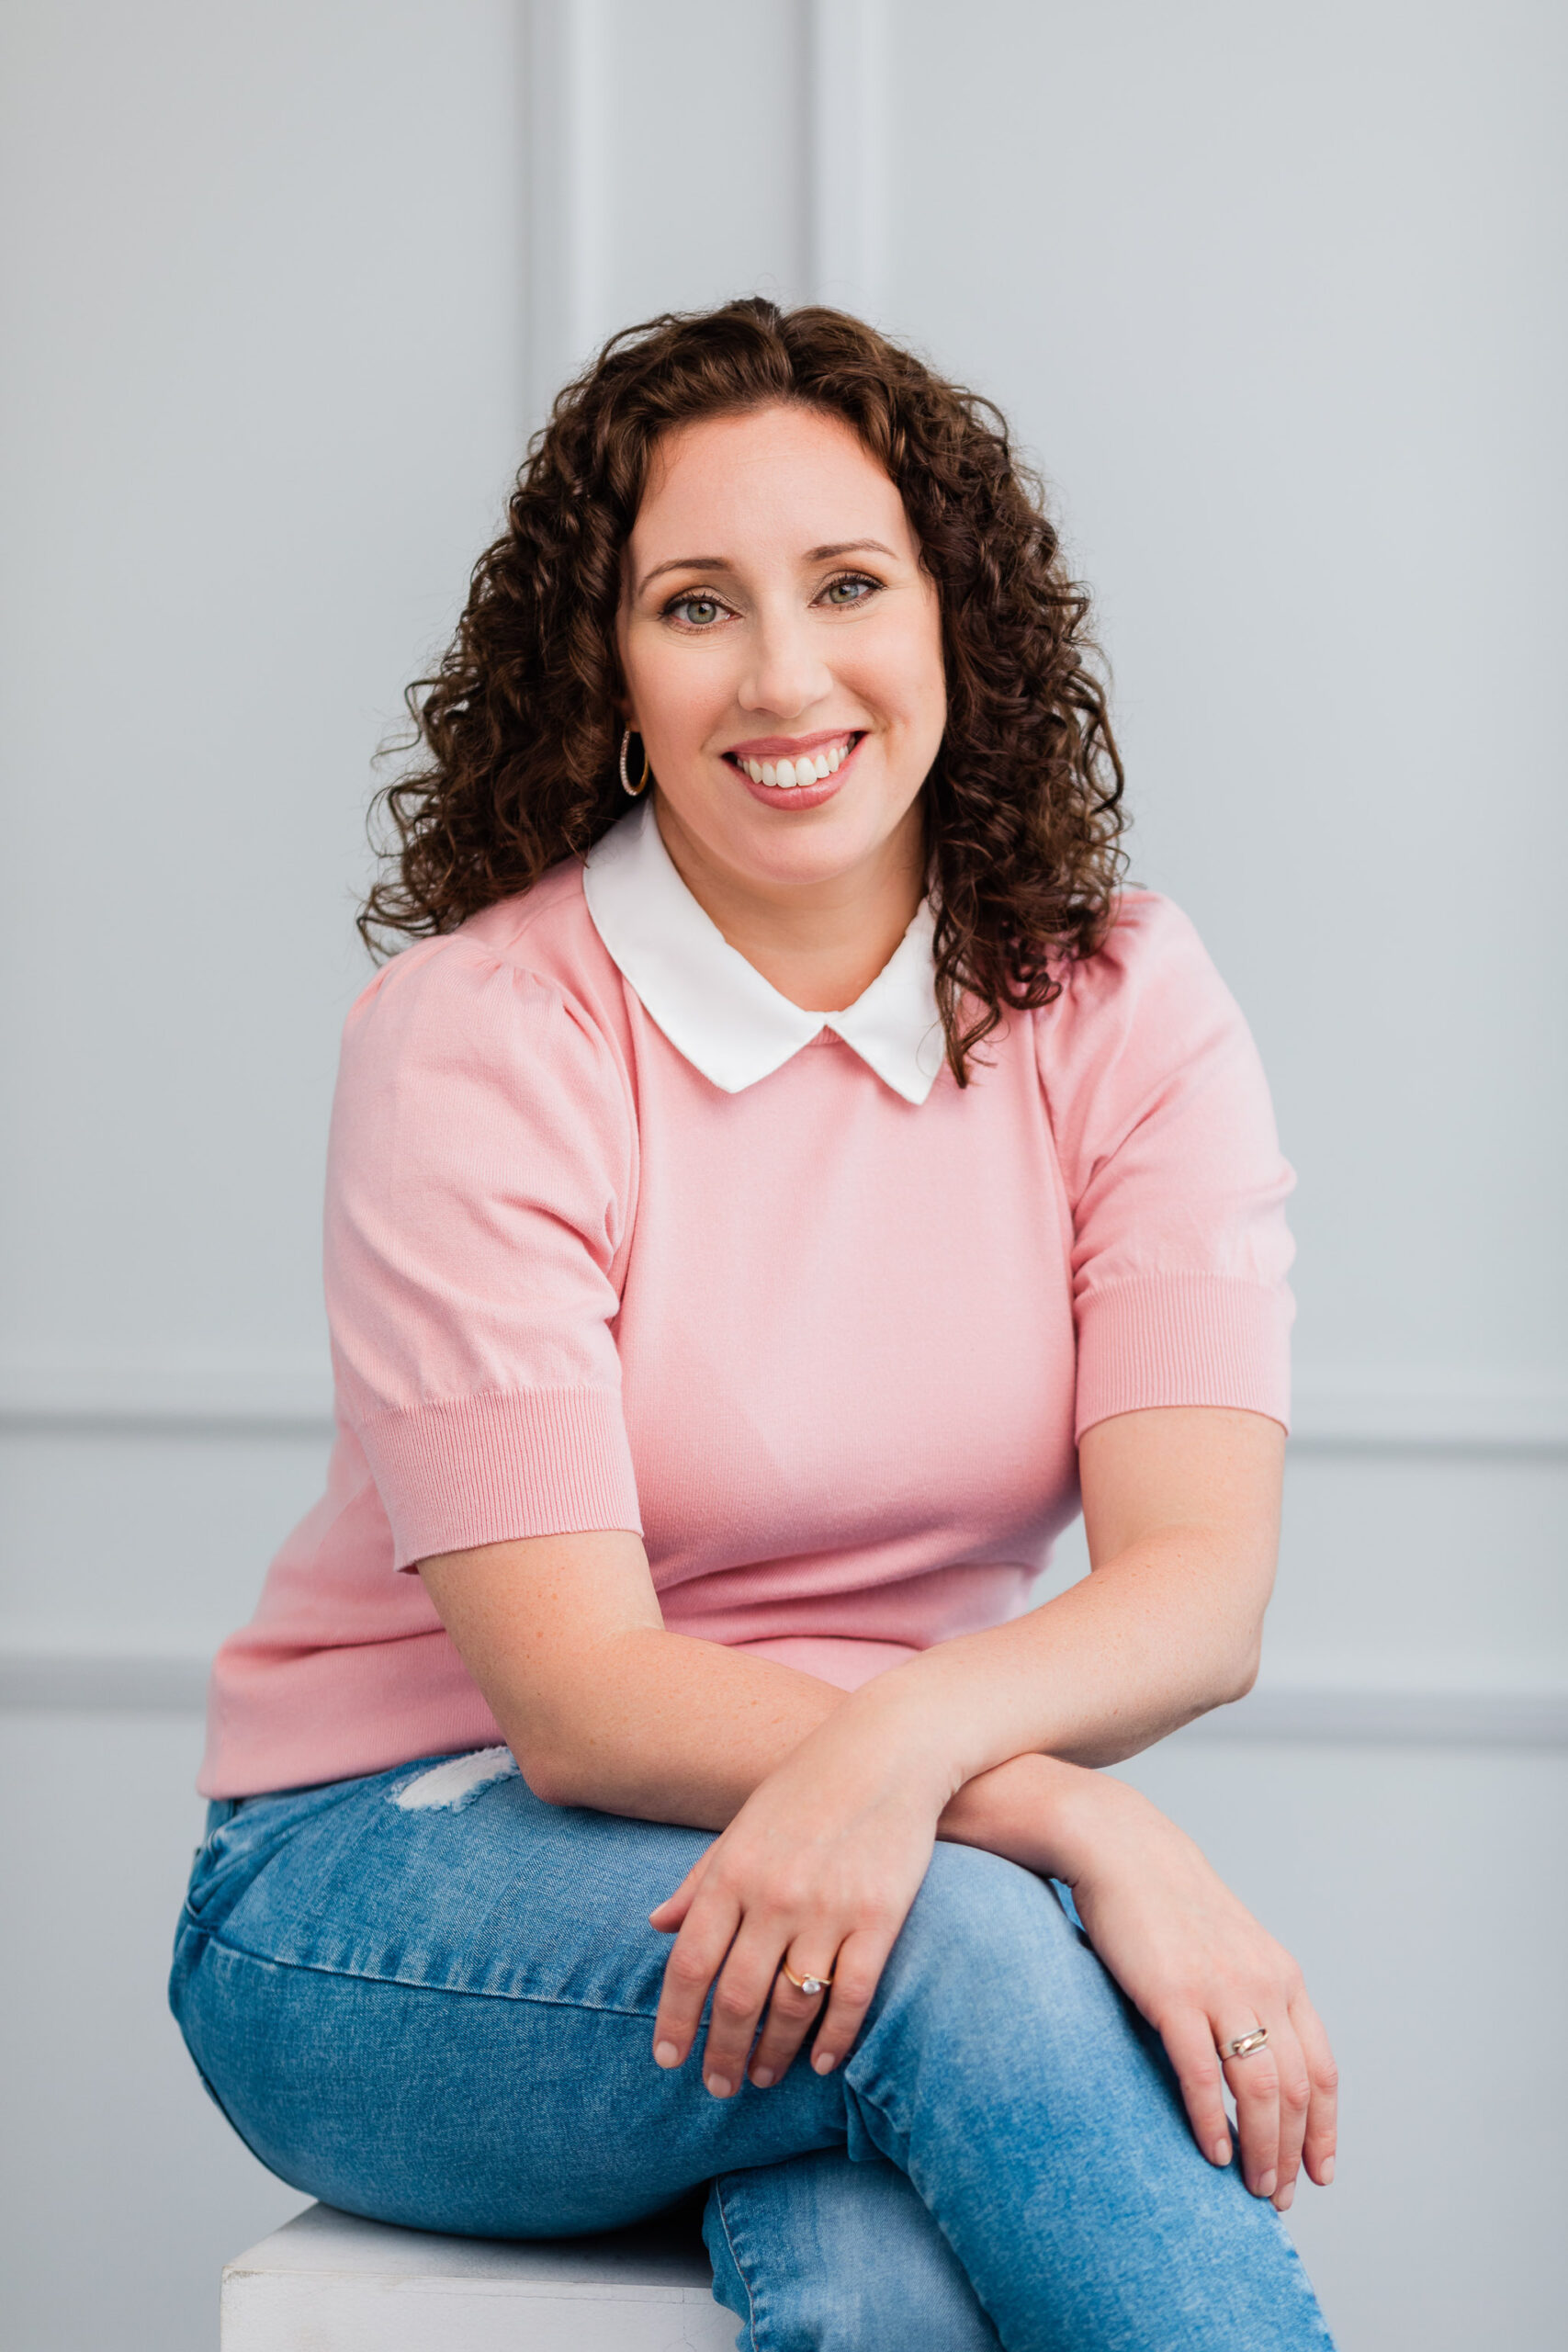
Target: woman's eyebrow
722 563
686 563
849 547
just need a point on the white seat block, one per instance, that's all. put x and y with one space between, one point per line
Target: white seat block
328 2283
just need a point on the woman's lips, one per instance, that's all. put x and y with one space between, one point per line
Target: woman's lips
767 756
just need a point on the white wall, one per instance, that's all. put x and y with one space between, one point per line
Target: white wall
1272 295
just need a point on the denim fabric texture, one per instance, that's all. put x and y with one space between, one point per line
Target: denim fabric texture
440 2014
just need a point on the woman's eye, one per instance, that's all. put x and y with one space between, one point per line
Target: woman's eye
701 611
849 591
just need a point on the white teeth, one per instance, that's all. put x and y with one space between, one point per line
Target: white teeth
783 776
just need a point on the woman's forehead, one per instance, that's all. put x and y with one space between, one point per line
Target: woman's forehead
786 475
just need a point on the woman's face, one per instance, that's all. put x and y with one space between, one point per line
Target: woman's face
775 622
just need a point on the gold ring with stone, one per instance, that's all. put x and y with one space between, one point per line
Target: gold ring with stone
809 1985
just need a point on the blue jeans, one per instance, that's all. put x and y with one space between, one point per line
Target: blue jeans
440 2013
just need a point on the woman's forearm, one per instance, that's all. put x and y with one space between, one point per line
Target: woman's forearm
600 1703
670 1728
1036 1811
698 1726
1142 1646
661 1727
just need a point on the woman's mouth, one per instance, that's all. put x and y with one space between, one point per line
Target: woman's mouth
803 772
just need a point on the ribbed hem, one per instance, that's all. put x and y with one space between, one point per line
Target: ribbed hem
492 1468
1184 1339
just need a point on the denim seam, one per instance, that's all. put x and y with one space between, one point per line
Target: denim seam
424 1985
212 2093
1296 2264
755 2344
864 2097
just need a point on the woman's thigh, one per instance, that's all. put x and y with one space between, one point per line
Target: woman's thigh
441 2013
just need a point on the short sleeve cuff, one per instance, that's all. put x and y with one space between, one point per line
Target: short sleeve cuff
495 1468
1184 1339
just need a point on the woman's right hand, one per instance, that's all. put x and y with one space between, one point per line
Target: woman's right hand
1202 1972
818 1868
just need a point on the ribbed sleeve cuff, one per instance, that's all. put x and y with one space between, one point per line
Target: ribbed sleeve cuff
1184 1339
492 1468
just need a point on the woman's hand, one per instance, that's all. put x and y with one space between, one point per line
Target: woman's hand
1198 1966
818 1868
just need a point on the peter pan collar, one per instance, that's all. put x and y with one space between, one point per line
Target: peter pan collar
715 1008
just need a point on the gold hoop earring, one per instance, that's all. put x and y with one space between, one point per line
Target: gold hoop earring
627 787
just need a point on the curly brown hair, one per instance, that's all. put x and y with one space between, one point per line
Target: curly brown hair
519 725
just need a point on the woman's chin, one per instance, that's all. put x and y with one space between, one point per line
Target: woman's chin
824 836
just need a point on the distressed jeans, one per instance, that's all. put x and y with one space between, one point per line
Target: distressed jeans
428 1997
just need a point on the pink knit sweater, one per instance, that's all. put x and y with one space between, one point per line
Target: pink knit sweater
827 1335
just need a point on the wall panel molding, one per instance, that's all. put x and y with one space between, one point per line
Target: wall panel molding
139 1681
565 110
268 1396
1394 1411
841 158
104 1681
846 176
1480 1715
1438 1410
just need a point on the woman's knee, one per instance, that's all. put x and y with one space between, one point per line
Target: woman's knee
989 1963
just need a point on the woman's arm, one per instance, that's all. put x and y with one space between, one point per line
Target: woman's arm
1181 1509
603 1707
599 1703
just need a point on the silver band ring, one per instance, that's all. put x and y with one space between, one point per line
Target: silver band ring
809 1985
1244 2044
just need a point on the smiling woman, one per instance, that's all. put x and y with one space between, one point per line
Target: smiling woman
1022 794
755 1218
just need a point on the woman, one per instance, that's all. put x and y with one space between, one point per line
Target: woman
756 1207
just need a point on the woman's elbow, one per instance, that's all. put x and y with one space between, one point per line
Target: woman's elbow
549 1785
1240 1671
554 1772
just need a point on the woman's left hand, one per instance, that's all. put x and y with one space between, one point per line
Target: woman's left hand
1200 1968
815 1873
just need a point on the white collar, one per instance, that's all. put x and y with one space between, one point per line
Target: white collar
715 1008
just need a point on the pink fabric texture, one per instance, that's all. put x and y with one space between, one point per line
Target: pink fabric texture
827 1350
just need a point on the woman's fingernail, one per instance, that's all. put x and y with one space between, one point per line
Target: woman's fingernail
761 2076
1326 2171
1266 2186
719 2084
666 2054
1287 2197
824 2061
1220 2152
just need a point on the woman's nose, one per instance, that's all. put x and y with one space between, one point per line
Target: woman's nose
787 673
